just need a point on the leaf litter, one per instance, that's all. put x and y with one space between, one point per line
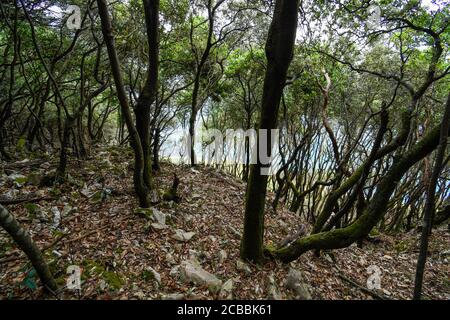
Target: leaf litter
90 221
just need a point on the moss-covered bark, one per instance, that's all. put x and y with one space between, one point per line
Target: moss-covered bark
340 238
400 139
351 181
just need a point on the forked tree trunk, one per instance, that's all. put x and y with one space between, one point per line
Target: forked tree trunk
212 7
279 52
138 177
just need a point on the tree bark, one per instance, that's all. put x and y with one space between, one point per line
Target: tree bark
149 92
341 238
138 177
279 52
27 245
430 202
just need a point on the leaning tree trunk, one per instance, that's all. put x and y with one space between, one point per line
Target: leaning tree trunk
341 238
430 202
279 51
138 177
342 188
27 245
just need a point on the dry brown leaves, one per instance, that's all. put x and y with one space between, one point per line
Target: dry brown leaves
114 247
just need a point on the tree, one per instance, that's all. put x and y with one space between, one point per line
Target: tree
347 186
430 201
279 52
202 57
139 133
148 95
343 237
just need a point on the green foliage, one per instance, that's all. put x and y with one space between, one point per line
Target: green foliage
21 144
32 209
95 268
100 196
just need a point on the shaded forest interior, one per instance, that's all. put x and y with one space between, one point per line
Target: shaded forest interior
224 149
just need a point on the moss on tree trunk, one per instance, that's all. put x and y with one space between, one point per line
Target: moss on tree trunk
340 238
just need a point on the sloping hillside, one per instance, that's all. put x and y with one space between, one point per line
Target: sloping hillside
125 253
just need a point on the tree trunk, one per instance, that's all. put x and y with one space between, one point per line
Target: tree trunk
61 171
191 139
279 51
156 141
138 177
341 238
148 95
430 202
27 245
198 72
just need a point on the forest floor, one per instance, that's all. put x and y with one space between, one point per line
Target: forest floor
91 221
